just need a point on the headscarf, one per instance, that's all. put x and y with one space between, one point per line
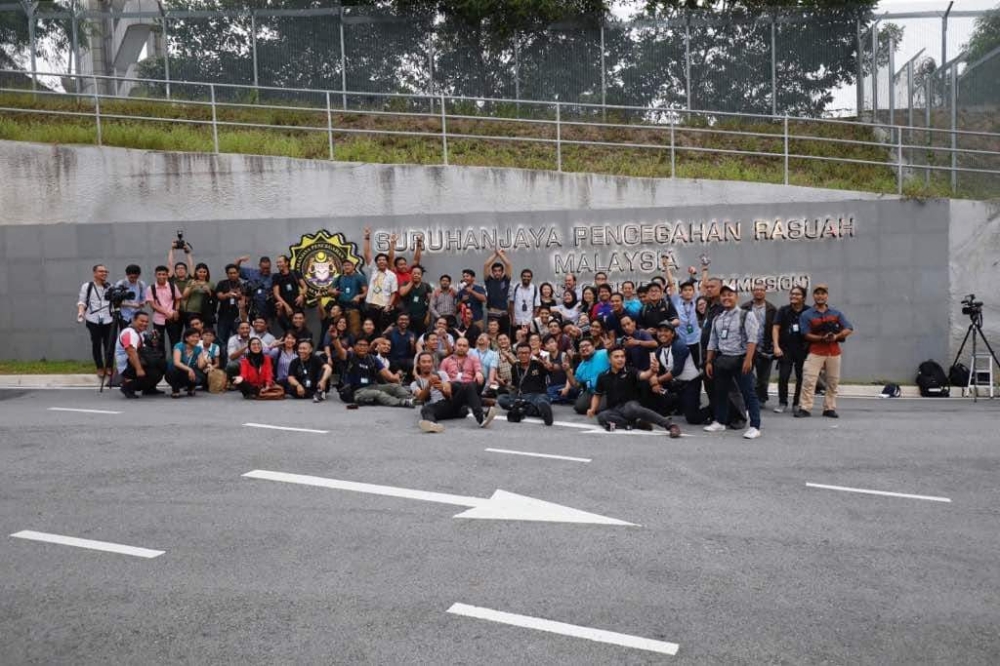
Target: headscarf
571 304
256 360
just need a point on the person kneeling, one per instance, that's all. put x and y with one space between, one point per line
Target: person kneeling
308 375
360 380
189 362
256 374
528 383
621 386
444 399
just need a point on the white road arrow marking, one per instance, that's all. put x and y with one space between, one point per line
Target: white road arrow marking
574 630
502 505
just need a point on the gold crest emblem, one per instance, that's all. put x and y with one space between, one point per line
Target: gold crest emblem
319 257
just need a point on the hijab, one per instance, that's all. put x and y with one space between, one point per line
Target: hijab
256 359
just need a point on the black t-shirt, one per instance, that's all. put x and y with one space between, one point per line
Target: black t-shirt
557 377
497 292
228 306
362 371
288 285
619 387
653 313
790 337
530 380
302 334
309 373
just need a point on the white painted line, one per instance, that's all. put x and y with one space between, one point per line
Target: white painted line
87 543
879 492
82 411
539 455
289 429
576 631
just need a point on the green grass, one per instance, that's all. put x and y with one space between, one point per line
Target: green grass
291 141
45 367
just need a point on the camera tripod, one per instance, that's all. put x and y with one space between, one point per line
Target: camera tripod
975 331
109 352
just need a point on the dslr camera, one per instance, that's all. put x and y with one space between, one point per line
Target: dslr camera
972 307
180 243
118 294
518 410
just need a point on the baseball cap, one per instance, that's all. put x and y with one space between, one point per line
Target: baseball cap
821 287
726 287
665 324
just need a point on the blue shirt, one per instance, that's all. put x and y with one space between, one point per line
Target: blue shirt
140 297
350 287
633 307
687 311
262 288
590 369
813 321
474 303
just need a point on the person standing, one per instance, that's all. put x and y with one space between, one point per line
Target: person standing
383 286
137 288
765 311
524 301
824 328
444 298
731 347
415 299
789 347
289 289
473 296
164 299
497 271
350 288
94 309
197 297
260 281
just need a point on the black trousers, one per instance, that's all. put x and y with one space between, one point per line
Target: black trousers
173 330
464 399
180 381
100 337
791 361
140 384
630 412
762 366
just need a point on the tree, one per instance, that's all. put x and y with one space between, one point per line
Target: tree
51 36
985 36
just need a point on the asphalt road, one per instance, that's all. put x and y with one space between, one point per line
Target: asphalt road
734 558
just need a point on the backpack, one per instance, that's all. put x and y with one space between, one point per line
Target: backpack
891 391
931 380
959 375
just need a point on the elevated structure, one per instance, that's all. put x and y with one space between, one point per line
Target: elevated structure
126 30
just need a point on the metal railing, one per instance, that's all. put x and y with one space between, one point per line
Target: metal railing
664 123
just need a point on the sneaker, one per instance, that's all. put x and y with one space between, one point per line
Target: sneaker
491 414
429 426
751 433
546 411
674 431
780 409
831 414
152 391
714 426
129 392
408 403
802 414
317 397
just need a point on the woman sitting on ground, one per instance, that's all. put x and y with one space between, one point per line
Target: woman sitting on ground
282 358
255 371
189 363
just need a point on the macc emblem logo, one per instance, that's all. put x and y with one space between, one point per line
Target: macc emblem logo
319 257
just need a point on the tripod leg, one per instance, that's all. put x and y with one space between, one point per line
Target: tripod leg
961 347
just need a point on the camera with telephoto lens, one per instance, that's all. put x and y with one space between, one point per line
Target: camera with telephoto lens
180 243
118 294
518 410
972 307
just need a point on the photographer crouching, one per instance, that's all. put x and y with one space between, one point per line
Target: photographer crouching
139 363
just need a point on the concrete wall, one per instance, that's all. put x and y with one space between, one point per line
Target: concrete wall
895 268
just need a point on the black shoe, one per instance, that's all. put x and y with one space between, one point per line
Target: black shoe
831 414
152 391
643 425
737 425
128 392
546 412
802 413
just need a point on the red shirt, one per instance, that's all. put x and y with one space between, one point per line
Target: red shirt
254 377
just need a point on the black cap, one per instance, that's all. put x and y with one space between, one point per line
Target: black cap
665 324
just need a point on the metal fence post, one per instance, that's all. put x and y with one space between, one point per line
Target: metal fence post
909 104
673 152
604 85
954 125
875 73
860 72
253 48
215 126
166 52
687 61
786 149
899 162
329 124
97 112
76 45
444 131
774 68
430 68
892 80
928 139
517 71
29 8
343 62
558 139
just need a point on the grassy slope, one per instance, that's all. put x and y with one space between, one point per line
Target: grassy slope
361 147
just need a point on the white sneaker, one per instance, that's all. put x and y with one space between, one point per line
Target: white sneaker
714 427
429 426
751 433
491 414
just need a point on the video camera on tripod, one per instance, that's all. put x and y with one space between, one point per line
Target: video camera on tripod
118 294
972 307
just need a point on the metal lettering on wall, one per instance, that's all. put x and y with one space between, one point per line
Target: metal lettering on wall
623 249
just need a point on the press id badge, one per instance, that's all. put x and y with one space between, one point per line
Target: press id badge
416 299
724 334
524 307
364 380
690 329
288 287
795 328
232 301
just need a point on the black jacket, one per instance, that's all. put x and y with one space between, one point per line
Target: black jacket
767 345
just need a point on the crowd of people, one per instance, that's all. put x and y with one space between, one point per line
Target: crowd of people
632 356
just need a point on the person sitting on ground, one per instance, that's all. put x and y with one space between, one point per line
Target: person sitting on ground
189 364
560 391
209 348
236 349
308 375
402 345
593 363
282 357
620 386
360 380
443 399
488 359
462 367
256 371
527 395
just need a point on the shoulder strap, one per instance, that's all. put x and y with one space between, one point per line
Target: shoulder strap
90 288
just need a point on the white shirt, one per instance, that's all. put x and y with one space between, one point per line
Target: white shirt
97 309
381 287
525 300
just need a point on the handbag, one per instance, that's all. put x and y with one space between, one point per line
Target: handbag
217 381
271 393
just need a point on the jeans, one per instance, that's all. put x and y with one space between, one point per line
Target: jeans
582 403
556 397
628 413
464 398
390 395
722 381
533 399
100 335
786 364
